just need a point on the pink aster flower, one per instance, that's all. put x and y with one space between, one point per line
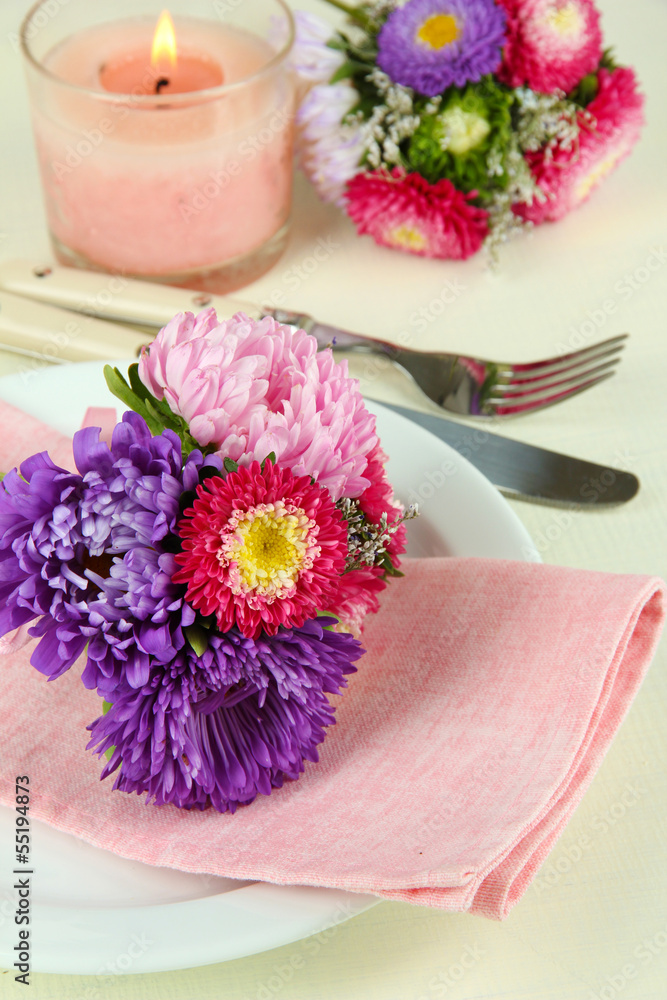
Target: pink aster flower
379 499
359 589
261 549
405 212
551 44
252 387
568 176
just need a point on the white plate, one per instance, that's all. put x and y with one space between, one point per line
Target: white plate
94 913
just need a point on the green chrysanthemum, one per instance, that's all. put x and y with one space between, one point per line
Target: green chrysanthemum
466 139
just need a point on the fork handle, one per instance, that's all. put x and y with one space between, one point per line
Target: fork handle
333 336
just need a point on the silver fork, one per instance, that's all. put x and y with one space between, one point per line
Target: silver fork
474 386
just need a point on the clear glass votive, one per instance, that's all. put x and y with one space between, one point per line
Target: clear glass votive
178 172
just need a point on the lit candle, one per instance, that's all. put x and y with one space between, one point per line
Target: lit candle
174 72
166 156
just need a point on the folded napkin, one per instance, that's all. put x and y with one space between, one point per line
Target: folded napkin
488 696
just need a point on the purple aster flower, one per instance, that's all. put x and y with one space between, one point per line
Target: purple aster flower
133 497
431 44
78 552
233 722
197 718
42 561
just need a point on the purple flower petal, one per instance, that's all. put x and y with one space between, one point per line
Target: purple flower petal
431 44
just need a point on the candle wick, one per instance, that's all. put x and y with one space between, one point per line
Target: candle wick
162 82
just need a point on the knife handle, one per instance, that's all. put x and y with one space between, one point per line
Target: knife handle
55 335
112 296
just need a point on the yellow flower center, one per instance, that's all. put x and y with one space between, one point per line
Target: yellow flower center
463 130
407 237
565 19
438 31
594 176
268 547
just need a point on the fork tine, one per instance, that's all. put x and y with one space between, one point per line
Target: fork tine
546 382
569 370
567 362
503 409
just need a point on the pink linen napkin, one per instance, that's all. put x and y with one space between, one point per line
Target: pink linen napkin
488 696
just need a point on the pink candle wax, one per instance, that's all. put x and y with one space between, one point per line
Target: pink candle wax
162 186
193 71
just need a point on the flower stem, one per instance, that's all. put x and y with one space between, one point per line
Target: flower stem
354 12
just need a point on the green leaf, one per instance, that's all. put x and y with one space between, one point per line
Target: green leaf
328 614
120 388
230 465
197 637
208 472
106 705
356 13
156 413
388 566
349 68
271 457
586 90
138 386
186 500
608 60
117 384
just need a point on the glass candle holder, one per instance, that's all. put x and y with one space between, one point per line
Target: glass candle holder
173 169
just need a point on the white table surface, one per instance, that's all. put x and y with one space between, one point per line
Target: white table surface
594 922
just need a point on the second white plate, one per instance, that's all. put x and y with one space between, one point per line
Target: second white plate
97 913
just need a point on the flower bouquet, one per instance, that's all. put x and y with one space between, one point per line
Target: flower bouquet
441 126
212 563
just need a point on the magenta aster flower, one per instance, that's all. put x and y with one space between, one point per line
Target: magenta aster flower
551 44
251 388
405 212
567 177
431 44
261 549
359 589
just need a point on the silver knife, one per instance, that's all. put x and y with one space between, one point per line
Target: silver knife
141 303
524 472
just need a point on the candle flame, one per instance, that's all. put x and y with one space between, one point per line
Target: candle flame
163 51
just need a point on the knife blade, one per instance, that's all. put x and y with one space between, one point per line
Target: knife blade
526 472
